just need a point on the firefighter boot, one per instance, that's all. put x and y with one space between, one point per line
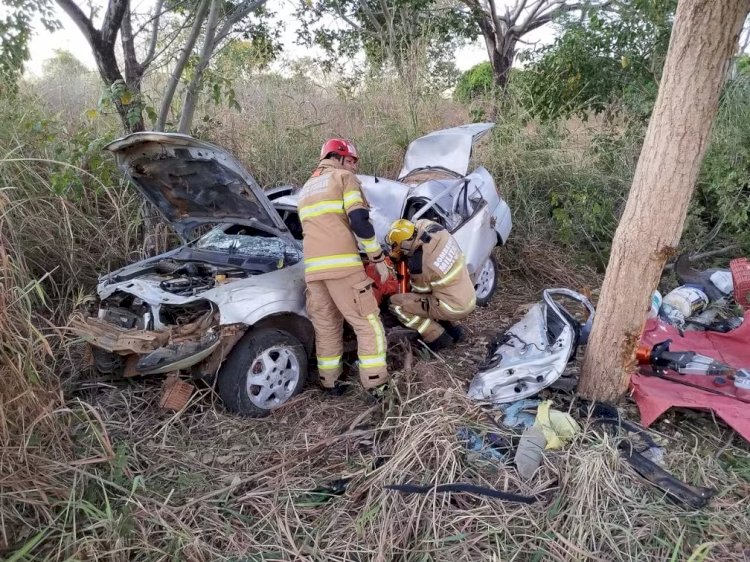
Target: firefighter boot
441 342
454 330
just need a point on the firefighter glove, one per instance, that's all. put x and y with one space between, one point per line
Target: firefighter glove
383 272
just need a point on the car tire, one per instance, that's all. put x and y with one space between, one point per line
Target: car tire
486 284
264 370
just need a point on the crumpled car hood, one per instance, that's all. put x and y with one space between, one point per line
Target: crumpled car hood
447 148
533 353
193 182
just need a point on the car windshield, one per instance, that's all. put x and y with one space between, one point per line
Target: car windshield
219 240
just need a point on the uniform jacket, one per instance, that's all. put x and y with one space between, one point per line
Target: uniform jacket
437 266
330 247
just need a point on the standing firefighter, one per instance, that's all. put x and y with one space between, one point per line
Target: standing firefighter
442 291
335 217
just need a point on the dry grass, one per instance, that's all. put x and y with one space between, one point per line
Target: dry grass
126 481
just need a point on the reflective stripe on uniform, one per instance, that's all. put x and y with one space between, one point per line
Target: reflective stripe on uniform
329 363
370 245
377 327
337 261
372 361
408 320
422 328
335 207
420 288
352 198
468 307
448 277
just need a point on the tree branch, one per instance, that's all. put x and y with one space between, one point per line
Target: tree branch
239 13
187 50
113 19
133 70
370 16
519 8
92 35
154 35
191 92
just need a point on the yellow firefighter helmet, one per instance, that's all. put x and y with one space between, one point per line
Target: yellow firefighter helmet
400 231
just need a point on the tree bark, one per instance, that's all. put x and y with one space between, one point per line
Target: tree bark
102 43
179 68
704 37
191 92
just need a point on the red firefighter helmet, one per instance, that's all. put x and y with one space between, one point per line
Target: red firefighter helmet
340 147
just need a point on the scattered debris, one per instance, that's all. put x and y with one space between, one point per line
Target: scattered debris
491 447
534 352
692 496
175 393
530 451
518 413
558 427
461 488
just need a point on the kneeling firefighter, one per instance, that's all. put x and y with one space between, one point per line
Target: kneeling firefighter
334 216
441 289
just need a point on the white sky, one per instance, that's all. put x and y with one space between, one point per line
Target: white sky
44 44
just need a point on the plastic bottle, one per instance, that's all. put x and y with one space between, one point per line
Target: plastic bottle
656 301
688 300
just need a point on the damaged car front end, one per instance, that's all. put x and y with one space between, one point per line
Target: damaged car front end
226 306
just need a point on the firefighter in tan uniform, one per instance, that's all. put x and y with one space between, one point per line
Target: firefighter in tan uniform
442 291
335 217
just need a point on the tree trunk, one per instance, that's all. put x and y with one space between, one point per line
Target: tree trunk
106 62
501 49
193 88
704 36
501 65
179 68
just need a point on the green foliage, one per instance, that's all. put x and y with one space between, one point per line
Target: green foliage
416 37
743 64
135 103
64 63
723 191
609 62
477 82
16 22
241 58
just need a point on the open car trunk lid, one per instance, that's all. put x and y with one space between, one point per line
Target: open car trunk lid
193 182
448 148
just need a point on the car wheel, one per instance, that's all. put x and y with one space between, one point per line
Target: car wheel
486 281
264 370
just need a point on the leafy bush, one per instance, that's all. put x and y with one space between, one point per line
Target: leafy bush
723 191
609 62
474 83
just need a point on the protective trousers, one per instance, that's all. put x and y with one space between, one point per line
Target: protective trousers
329 303
423 312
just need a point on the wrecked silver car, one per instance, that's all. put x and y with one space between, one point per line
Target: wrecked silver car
533 353
228 304
434 184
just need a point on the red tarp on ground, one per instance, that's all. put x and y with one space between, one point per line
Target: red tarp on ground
655 395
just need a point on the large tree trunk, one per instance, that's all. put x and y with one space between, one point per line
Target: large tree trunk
501 49
704 36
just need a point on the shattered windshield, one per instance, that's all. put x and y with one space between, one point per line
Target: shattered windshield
248 245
